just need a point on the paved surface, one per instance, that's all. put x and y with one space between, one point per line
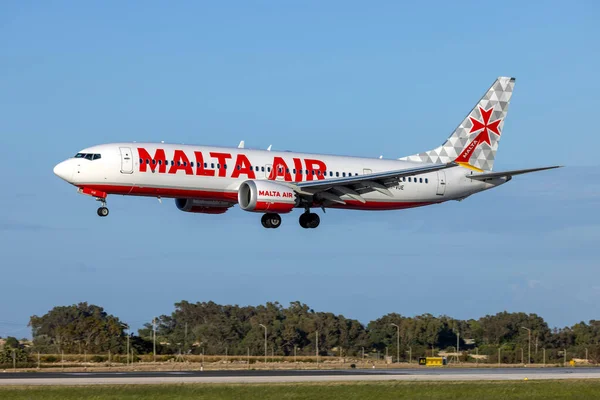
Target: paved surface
245 376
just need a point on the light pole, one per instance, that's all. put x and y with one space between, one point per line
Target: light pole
397 342
317 347
586 355
154 338
265 342
127 344
529 345
522 357
544 351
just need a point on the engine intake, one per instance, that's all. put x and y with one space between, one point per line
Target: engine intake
263 196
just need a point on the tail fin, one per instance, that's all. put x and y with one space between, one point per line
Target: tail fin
483 125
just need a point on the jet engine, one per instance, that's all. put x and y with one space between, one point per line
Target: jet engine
202 206
266 196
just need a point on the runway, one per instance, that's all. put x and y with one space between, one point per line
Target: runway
280 376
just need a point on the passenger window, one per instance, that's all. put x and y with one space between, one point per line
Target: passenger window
294 170
287 170
178 163
147 161
426 180
262 169
409 179
268 169
159 162
205 165
218 166
343 174
192 164
238 167
330 173
153 162
141 160
420 180
212 165
337 174
312 172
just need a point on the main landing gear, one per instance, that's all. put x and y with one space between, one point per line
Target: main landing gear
271 220
103 210
309 220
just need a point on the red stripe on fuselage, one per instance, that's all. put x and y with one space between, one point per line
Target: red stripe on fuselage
165 192
232 196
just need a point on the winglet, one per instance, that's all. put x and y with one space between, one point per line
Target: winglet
241 145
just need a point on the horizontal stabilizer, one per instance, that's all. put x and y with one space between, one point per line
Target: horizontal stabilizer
508 174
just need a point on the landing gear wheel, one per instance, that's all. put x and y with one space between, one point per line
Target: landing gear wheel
271 220
309 220
103 211
274 220
264 221
314 220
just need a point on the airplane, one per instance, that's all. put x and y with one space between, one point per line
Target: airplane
211 180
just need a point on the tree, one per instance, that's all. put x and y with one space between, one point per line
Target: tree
12 342
77 328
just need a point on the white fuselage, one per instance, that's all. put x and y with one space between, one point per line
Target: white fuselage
216 173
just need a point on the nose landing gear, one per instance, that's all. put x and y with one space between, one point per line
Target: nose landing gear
103 210
271 220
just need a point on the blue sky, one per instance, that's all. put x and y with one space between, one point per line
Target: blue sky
391 78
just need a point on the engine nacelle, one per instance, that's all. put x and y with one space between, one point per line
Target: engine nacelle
266 196
202 206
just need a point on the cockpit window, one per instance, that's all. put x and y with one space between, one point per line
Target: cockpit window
88 156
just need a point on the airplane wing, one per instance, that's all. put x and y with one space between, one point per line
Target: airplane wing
508 174
355 186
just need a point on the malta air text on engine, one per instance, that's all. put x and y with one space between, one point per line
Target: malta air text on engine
275 193
202 165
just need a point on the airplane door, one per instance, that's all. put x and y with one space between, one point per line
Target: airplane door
441 188
367 171
126 160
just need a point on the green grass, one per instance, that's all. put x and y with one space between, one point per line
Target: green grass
573 389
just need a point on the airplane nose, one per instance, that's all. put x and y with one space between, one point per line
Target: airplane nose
64 170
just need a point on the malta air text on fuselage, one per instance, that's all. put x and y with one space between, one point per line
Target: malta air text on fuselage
236 166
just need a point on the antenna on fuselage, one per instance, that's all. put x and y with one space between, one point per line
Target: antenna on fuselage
381 156
241 145
269 148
